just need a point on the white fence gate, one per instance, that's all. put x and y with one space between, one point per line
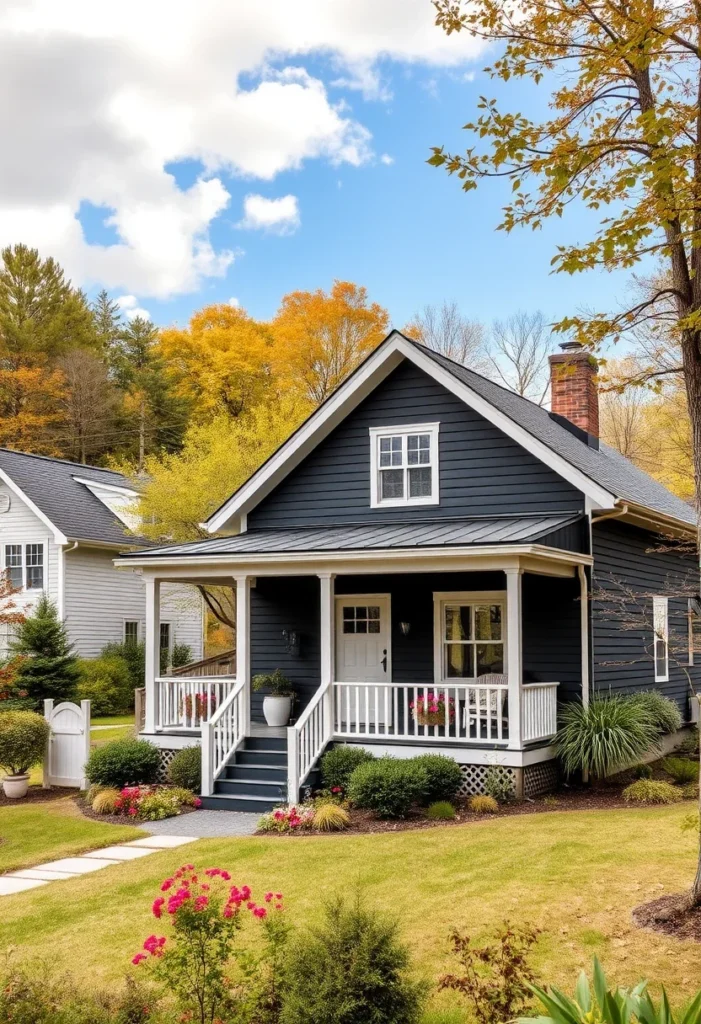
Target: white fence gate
68 748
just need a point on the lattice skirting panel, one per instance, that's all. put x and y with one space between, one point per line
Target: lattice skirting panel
539 778
166 757
473 778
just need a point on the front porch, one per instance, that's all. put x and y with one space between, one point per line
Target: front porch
467 658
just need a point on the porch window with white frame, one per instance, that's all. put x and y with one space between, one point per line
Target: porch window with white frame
404 465
660 621
470 636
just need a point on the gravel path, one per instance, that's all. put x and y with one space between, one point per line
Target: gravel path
205 824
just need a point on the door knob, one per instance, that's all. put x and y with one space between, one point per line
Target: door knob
384 660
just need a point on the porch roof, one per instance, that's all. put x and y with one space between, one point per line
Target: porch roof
435 533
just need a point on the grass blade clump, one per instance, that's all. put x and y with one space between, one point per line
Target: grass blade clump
605 735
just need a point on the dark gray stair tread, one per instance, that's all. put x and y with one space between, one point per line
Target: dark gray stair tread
255 804
251 787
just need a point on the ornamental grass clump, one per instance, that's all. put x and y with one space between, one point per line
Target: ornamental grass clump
197 958
662 710
441 810
681 770
604 735
105 802
483 804
330 817
648 791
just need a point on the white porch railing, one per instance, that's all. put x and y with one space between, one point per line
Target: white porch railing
306 740
184 702
222 734
471 712
539 711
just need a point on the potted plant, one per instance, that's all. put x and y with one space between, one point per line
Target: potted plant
277 705
431 708
23 738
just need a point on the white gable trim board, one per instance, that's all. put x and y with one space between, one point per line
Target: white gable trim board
58 537
350 394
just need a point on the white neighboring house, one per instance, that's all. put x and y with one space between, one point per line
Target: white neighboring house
61 525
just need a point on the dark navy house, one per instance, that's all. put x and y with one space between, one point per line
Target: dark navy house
424 559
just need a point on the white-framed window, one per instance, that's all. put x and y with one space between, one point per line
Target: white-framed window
24 563
469 635
660 625
131 631
404 465
165 636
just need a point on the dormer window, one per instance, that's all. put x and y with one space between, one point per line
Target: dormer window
404 465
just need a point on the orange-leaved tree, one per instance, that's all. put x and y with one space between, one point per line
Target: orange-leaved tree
320 337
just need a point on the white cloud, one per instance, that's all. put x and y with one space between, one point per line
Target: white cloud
233 301
129 306
386 159
100 111
277 216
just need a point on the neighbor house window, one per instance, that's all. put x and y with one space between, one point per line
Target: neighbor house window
131 631
470 636
24 565
660 621
404 465
165 636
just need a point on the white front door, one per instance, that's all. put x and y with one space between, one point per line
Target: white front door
363 655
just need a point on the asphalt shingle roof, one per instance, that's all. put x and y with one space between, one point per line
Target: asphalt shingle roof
362 537
69 505
606 466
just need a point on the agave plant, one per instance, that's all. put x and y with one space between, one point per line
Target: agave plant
608 1006
604 735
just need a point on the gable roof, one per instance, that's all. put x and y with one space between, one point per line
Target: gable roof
58 492
604 476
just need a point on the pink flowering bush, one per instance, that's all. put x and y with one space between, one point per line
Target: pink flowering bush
203 914
431 708
287 819
203 707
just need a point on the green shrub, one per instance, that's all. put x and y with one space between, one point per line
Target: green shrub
330 817
647 791
483 805
23 738
642 771
691 791
162 803
498 783
105 802
127 762
604 735
388 786
186 769
106 682
681 770
350 969
47 666
663 711
32 995
443 777
441 810
180 655
134 655
338 765
689 746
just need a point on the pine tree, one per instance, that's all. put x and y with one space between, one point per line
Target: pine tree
47 665
107 320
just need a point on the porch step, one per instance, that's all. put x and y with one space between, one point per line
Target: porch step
252 804
253 787
255 779
261 757
263 772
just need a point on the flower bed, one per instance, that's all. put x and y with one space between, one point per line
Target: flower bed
145 803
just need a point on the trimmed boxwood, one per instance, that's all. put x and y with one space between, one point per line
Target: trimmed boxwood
443 777
338 765
388 786
185 770
127 762
23 736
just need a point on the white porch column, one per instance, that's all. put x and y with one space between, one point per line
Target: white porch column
328 646
584 628
243 644
514 655
153 650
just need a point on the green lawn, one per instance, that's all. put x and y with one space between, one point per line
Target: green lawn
31 833
118 732
576 875
114 720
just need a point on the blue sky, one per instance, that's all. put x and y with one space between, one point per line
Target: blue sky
404 230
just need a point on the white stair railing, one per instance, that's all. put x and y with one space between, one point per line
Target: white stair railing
222 734
307 738
186 702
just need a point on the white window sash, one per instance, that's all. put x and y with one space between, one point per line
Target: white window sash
441 601
23 566
660 624
404 431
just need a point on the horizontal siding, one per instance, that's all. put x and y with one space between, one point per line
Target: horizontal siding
98 598
628 558
482 471
552 633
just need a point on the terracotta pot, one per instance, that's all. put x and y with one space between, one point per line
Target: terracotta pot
277 710
15 786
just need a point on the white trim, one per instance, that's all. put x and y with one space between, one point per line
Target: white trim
660 603
514 655
463 753
443 597
23 545
376 367
139 629
153 654
367 598
60 581
243 645
59 538
404 430
107 487
584 631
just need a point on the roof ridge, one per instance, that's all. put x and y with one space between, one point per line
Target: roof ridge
65 462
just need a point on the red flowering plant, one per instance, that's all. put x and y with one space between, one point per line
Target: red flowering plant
204 707
433 708
287 819
196 961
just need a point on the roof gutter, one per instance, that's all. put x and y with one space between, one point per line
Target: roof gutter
616 514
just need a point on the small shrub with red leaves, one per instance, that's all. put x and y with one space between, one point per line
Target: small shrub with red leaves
203 912
287 819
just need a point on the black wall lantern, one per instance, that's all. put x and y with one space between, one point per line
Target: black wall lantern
291 638
405 627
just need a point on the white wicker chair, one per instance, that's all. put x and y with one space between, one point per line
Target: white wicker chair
481 705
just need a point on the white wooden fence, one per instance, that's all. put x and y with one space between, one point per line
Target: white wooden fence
68 747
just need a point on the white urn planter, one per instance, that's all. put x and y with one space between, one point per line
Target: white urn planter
15 786
277 709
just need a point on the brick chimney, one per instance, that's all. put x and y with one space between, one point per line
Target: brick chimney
574 392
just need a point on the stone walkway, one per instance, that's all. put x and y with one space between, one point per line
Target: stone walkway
205 824
72 867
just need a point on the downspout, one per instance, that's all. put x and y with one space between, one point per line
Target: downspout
615 514
61 581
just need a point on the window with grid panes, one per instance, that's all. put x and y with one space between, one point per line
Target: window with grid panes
405 465
34 564
13 564
473 639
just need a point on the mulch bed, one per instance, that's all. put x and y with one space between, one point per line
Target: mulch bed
37 795
116 819
670 915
